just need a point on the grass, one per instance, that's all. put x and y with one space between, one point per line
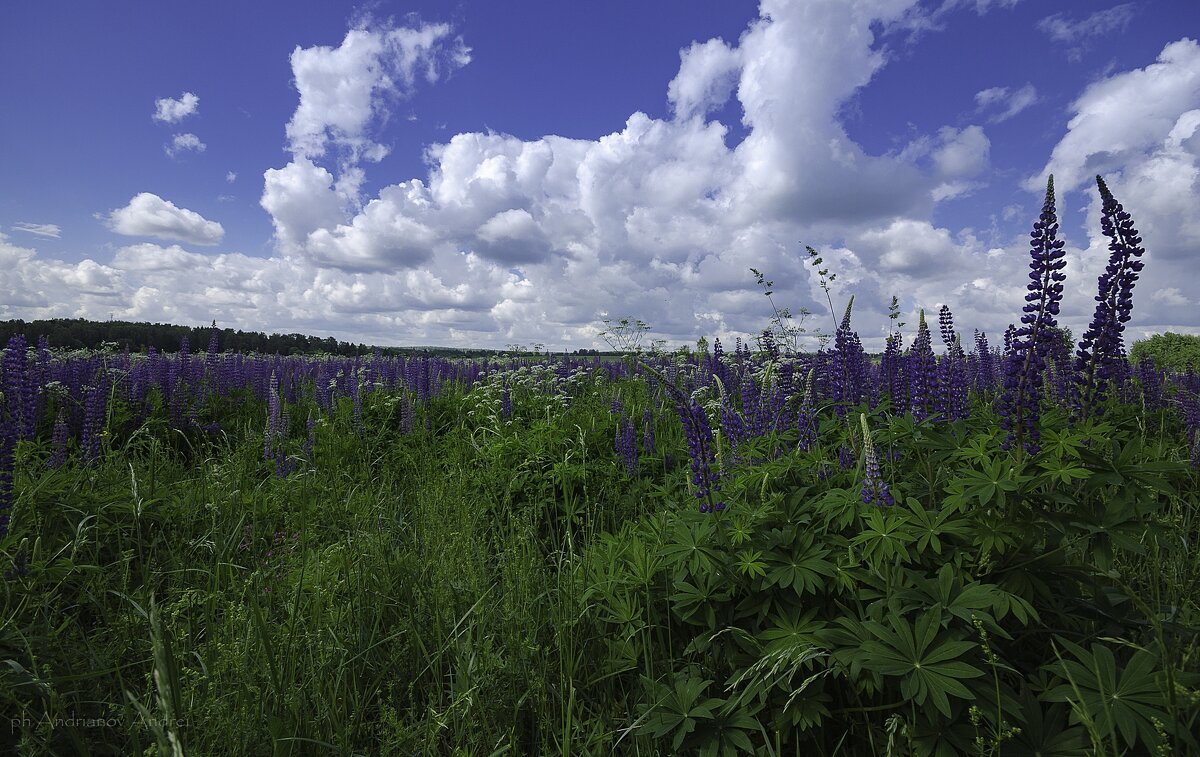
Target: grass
488 585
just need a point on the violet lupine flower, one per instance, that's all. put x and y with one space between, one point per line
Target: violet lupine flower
8 442
845 458
806 415
1025 365
356 403
310 440
874 489
921 370
274 431
506 405
849 366
952 369
58 442
94 409
17 389
1100 360
891 368
733 424
1151 381
625 443
700 448
985 370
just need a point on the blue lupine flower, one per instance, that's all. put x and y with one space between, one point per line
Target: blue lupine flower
874 488
1025 363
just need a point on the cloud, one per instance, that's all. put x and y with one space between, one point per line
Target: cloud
708 72
172 111
184 143
1078 35
1120 120
1097 24
148 215
230 176
148 257
505 240
1008 103
49 230
344 90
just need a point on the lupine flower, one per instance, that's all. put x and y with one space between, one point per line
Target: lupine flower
310 440
93 420
849 365
952 369
1100 360
891 368
506 405
806 415
921 370
700 448
7 443
1025 364
626 444
874 488
58 443
985 371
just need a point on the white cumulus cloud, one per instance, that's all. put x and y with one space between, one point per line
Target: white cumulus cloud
184 143
173 110
148 215
343 89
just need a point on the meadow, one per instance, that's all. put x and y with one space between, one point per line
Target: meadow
984 550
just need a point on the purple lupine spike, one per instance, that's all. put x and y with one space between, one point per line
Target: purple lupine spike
356 401
921 372
985 370
8 442
273 419
506 404
1025 364
310 440
891 368
17 388
94 410
874 489
1100 360
700 449
58 442
848 366
626 445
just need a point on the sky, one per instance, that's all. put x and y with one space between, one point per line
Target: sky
489 174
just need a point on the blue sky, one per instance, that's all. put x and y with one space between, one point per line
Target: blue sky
486 174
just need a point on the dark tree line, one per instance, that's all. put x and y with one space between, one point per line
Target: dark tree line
78 333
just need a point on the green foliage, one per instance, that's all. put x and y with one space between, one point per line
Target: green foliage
493 583
1170 351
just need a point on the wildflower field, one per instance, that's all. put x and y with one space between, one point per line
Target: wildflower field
985 550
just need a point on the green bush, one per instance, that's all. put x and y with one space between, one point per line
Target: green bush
1170 351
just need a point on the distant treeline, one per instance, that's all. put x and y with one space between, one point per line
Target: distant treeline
78 333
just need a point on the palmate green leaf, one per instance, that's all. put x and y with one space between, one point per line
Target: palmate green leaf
677 709
1122 700
689 547
803 569
930 527
694 600
926 659
965 602
792 630
885 537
